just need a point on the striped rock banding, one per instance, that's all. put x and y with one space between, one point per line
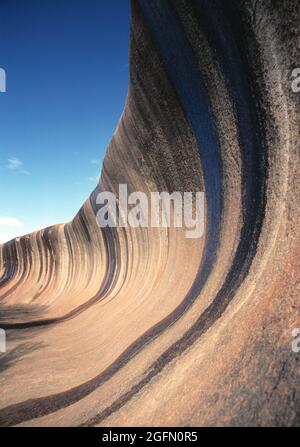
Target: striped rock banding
143 326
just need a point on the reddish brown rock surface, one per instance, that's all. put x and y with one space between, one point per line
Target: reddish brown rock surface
127 326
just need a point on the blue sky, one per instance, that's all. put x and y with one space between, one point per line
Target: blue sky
66 64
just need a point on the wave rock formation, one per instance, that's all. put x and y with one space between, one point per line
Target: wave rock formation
143 326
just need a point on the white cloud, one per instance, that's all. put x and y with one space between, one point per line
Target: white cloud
6 236
95 161
10 227
10 222
15 164
94 179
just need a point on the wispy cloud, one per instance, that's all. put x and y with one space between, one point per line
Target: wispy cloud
94 179
10 227
15 164
10 222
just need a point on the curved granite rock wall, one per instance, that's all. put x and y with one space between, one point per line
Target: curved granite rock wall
143 326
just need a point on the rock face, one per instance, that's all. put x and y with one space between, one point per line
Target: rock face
143 326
